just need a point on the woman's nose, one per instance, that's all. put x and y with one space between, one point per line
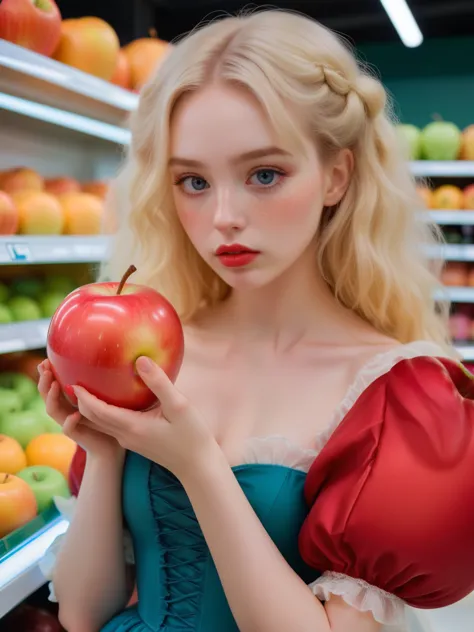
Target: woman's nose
228 215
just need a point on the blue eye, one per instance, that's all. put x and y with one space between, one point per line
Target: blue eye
266 177
193 184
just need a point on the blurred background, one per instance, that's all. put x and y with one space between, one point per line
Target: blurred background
70 75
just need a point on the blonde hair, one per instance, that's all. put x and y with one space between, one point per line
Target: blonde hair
371 246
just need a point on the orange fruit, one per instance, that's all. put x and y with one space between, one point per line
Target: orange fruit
17 503
12 456
55 450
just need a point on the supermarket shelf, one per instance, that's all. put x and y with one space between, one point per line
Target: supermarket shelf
452 252
443 168
451 218
23 336
457 294
40 87
20 574
466 350
25 249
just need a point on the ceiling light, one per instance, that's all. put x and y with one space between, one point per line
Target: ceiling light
405 24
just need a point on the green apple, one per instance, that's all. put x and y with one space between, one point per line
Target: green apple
441 140
49 302
6 315
4 292
10 401
27 286
410 138
21 384
23 426
24 308
60 284
38 406
45 483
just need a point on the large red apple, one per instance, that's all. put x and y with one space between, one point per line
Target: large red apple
33 24
99 331
9 216
27 618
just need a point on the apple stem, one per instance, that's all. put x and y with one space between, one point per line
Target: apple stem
127 274
152 33
35 476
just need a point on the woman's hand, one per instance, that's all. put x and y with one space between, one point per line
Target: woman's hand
172 434
73 423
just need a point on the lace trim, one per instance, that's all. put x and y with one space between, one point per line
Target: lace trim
278 450
387 609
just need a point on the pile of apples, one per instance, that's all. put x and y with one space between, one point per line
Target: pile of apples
28 298
33 205
35 456
448 197
439 140
87 43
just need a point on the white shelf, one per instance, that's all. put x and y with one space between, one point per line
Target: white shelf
23 336
451 218
466 350
443 168
25 249
20 574
452 252
457 294
41 88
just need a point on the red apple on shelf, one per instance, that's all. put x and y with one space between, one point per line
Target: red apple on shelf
33 24
468 195
21 179
9 217
60 185
99 331
28 618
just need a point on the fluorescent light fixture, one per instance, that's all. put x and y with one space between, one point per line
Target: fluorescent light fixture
405 24
30 554
69 120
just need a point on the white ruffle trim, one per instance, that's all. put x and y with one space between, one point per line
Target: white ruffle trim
278 450
66 507
387 609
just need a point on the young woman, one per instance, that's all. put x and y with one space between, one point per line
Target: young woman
270 203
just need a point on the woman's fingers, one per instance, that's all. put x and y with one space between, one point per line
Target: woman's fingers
54 408
44 383
71 423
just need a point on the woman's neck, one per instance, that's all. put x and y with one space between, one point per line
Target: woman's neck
297 305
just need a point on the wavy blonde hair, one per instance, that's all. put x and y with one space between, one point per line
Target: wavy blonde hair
371 246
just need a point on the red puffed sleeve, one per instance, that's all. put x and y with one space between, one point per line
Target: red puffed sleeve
76 471
391 495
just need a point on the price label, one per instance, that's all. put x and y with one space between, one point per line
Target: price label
19 252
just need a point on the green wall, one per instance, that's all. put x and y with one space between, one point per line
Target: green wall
436 78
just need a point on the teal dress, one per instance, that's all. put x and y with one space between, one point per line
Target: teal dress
178 586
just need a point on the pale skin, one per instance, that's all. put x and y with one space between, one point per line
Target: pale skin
280 354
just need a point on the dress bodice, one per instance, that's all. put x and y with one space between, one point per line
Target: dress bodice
178 585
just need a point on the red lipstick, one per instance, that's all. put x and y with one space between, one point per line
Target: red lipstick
236 255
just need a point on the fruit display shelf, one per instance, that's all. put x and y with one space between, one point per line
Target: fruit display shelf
452 252
25 249
20 554
450 218
442 168
457 294
23 336
43 89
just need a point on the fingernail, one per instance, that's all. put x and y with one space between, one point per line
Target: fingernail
144 364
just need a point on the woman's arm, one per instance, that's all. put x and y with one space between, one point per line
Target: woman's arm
264 593
89 577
